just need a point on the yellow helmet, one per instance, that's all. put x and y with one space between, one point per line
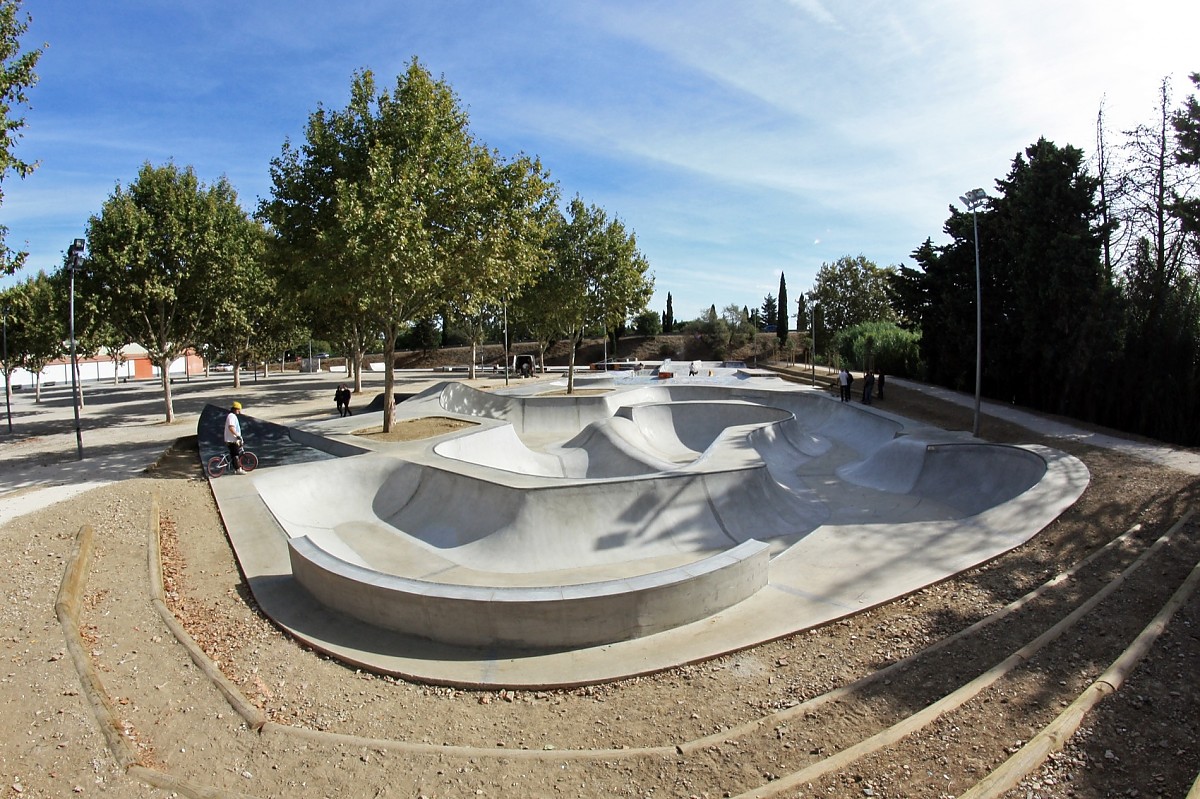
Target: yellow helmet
237 406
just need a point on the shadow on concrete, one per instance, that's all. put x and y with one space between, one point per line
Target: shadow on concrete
271 442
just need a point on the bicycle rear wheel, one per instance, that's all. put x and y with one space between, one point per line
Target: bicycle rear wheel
217 465
249 460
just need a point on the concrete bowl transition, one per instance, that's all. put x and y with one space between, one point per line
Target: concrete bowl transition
636 525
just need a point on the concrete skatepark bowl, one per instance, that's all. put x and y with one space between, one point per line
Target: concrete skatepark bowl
561 540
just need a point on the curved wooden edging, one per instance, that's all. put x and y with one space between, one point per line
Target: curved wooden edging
1055 734
66 608
252 715
960 696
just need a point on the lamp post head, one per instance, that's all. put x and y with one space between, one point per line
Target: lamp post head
973 199
75 253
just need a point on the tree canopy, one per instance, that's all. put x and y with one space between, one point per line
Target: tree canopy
17 76
390 211
164 258
850 291
595 275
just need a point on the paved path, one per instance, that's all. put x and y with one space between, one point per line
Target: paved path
1184 460
124 431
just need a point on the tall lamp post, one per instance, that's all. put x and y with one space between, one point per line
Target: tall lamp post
812 323
972 200
74 261
7 387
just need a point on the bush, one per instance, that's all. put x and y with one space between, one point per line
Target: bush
894 350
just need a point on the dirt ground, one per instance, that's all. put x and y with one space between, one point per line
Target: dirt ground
744 724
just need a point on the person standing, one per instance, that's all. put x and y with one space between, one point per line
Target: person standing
233 437
868 386
346 400
844 384
879 388
337 400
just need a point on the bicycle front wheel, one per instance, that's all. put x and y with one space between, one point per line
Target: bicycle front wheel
217 465
249 460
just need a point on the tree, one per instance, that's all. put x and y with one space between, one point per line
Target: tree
739 329
770 311
1161 326
425 334
851 291
1187 136
36 326
668 321
162 253
781 328
16 77
595 274
883 345
392 212
648 324
714 333
260 322
1047 289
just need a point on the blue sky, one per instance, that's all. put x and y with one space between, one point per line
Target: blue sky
737 139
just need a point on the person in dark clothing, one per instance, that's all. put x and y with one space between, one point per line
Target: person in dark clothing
868 387
341 398
879 386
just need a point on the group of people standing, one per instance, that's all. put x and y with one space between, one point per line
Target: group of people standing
846 381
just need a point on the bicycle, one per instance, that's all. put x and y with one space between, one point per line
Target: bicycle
217 464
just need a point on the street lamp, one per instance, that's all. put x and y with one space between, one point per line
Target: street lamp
74 261
812 323
972 200
7 387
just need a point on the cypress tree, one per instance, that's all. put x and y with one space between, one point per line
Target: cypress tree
781 327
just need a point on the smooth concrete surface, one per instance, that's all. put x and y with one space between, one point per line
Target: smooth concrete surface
590 494
545 617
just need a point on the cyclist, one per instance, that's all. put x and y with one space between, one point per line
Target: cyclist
233 437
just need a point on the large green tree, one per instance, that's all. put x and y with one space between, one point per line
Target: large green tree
390 211
595 274
16 77
1045 309
261 324
852 290
164 258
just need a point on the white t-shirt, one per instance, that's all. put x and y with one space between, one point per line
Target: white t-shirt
233 428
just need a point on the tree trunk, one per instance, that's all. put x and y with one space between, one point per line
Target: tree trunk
471 371
571 368
389 381
78 375
164 367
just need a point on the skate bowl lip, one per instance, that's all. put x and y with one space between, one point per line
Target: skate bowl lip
743 623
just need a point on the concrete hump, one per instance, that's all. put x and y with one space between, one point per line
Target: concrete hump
894 467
